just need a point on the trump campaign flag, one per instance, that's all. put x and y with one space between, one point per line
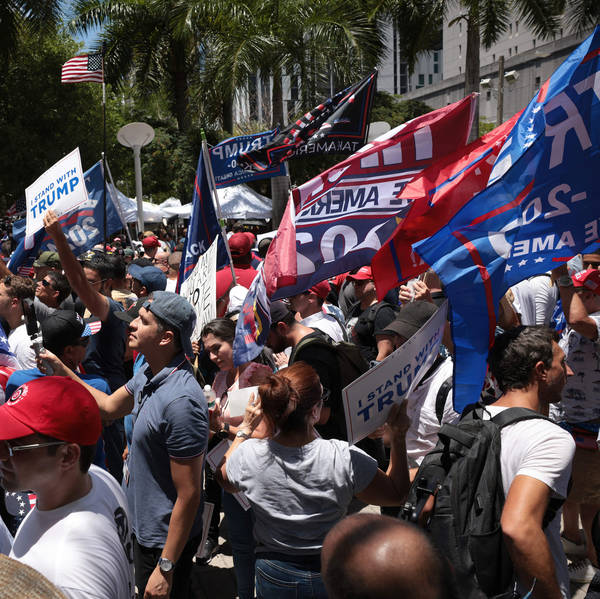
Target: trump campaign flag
203 227
340 218
82 227
436 195
337 126
224 159
539 209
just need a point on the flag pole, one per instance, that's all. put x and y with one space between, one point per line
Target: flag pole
104 143
117 205
215 199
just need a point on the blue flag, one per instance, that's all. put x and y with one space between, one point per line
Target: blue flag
224 159
538 210
254 321
82 227
203 227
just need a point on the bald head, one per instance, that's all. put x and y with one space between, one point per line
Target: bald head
368 556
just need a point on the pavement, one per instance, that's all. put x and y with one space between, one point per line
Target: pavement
216 580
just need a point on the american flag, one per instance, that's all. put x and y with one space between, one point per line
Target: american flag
87 67
18 504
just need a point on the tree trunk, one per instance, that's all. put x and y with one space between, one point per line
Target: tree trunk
228 115
472 65
279 185
180 85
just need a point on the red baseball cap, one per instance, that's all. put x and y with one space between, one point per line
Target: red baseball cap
150 242
55 406
321 289
251 236
363 274
590 279
239 244
224 281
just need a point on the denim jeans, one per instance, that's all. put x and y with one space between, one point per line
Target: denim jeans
276 579
241 538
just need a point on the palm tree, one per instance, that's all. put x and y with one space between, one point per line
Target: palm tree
486 21
17 15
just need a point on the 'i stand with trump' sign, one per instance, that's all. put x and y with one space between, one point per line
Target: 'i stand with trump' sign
60 188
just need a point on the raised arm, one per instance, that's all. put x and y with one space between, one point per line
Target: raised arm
93 300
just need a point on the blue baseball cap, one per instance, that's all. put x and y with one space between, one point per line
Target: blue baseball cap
178 313
152 278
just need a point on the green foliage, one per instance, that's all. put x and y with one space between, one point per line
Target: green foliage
41 119
485 126
390 109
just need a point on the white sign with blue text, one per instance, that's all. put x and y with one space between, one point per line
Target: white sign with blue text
61 188
368 400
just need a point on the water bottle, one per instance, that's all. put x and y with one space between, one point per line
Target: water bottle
211 398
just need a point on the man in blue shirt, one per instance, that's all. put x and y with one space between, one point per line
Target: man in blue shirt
170 433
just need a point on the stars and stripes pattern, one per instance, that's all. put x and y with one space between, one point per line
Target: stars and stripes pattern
87 67
18 504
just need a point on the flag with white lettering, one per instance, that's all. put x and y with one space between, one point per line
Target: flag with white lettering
539 209
342 217
82 227
337 126
203 227
224 159
438 193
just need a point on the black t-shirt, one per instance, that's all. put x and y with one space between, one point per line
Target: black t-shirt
371 322
324 361
105 352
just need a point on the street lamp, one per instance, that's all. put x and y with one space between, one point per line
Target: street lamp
136 136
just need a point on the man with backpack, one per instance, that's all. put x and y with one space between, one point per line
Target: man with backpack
535 458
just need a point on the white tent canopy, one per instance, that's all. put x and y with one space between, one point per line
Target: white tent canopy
152 212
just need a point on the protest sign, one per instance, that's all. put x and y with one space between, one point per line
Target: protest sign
61 188
200 288
368 400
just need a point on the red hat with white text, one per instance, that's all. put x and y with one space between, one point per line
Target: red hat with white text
55 406
590 279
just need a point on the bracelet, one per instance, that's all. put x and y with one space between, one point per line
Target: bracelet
243 434
565 281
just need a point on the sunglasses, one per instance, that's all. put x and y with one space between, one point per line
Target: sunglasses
7 450
45 283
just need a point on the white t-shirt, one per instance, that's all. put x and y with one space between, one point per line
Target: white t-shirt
84 547
535 300
421 436
20 345
544 451
5 539
171 284
326 323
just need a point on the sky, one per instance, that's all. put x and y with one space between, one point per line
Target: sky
89 39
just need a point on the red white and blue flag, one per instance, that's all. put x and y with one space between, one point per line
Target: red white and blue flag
337 126
438 193
341 218
540 208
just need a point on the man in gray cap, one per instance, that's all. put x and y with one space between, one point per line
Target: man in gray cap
163 481
430 404
146 279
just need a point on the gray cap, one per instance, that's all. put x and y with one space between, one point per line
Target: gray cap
152 278
411 318
178 313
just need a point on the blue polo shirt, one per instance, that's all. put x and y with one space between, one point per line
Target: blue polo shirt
170 420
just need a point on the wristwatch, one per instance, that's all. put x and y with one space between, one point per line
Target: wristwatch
165 565
243 435
565 281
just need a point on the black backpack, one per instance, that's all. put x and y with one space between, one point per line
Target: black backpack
463 472
350 362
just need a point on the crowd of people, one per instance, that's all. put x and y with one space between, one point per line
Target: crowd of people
105 431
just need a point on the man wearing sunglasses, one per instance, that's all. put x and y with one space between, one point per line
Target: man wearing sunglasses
78 535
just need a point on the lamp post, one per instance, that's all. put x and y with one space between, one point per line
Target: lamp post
136 136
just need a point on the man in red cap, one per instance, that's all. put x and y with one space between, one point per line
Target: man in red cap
240 246
368 319
78 534
579 412
151 245
309 304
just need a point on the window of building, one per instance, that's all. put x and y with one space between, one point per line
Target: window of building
510 28
430 78
460 27
488 95
493 58
538 82
459 70
516 26
534 42
516 49
510 51
294 87
459 49
561 32
421 80
436 62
